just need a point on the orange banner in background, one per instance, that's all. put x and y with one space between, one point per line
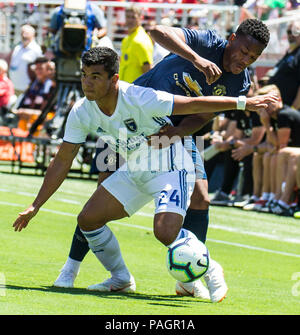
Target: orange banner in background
10 151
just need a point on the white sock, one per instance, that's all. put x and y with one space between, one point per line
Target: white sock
183 233
105 246
71 265
254 197
283 204
272 196
265 196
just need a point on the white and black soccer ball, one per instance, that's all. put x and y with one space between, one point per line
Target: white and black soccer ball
187 259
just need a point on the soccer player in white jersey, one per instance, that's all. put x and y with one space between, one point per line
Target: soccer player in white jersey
126 115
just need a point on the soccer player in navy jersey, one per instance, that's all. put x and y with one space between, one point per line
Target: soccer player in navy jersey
200 63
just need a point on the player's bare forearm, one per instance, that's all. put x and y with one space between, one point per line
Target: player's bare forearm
173 40
57 172
210 104
55 175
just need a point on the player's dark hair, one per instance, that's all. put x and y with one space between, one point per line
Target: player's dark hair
102 56
256 29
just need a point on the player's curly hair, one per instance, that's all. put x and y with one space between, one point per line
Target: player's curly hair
102 56
256 29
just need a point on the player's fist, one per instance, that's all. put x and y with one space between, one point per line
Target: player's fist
211 71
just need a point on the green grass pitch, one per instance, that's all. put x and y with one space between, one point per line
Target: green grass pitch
260 254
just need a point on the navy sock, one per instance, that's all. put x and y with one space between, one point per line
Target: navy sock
79 246
196 220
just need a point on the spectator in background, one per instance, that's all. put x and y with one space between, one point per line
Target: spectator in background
245 12
289 143
51 70
286 73
294 4
281 123
266 7
136 48
297 209
249 131
37 95
221 129
6 85
24 54
265 156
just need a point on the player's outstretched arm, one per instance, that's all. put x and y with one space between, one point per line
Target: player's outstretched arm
173 39
55 175
186 105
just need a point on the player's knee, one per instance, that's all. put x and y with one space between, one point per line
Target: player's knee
81 220
86 223
202 202
165 237
167 227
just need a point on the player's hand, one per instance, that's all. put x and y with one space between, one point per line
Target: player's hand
211 71
241 152
260 102
24 218
166 136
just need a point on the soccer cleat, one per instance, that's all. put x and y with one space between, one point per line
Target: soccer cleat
272 205
282 211
109 285
221 199
195 289
249 207
249 204
259 204
214 278
65 279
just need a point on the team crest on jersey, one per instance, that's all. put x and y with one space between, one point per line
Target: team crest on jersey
100 130
131 125
219 90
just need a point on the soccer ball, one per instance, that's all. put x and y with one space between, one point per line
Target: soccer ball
187 259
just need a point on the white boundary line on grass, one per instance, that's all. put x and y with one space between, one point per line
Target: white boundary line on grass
28 194
243 231
150 229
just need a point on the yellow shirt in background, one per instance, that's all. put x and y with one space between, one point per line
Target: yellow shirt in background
136 50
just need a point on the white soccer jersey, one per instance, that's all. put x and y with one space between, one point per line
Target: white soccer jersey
139 112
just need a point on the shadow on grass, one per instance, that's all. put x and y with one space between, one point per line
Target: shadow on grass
151 299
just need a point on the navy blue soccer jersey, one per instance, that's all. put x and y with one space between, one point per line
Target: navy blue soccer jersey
178 76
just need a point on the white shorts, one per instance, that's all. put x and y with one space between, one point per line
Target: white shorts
171 191
193 151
